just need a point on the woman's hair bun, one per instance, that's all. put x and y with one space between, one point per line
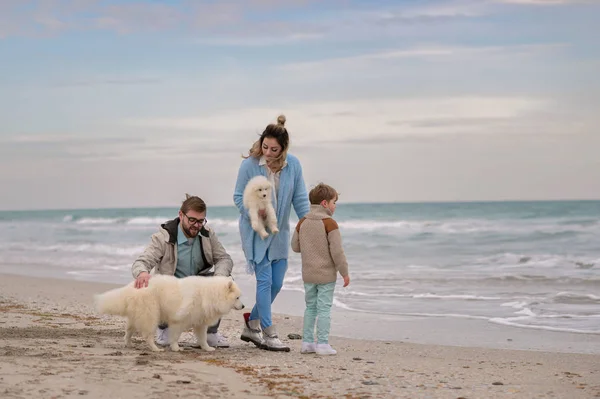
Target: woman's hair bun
281 120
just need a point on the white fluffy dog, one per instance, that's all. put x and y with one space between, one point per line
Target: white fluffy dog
257 196
191 302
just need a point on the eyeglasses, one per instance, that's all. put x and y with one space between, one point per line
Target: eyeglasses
202 222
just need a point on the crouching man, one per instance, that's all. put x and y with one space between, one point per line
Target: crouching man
183 247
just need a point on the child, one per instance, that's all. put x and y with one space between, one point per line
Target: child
318 240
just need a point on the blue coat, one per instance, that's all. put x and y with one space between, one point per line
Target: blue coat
292 191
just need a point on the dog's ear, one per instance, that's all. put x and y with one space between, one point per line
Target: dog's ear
230 285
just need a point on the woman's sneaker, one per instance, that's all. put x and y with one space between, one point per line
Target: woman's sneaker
252 331
308 347
272 342
325 349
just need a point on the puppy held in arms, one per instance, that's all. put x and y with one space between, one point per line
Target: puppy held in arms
257 197
191 302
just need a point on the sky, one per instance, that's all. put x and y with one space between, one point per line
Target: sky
119 103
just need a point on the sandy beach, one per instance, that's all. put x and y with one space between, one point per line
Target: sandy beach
54 345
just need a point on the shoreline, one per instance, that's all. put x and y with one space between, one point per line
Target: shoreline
53 344
427 330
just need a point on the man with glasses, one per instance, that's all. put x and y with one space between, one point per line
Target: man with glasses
183 247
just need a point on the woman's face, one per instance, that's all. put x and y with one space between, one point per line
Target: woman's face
270 148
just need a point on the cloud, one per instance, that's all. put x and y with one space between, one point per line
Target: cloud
429 53
159 145
347 121
546 2
260 41
116 81
432 11
42 18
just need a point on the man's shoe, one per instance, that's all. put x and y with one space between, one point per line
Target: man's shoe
272 342
252 332
216 340
162 336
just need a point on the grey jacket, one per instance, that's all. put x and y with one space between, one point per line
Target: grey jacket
160 257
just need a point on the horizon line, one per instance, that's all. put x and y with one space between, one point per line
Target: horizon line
343 203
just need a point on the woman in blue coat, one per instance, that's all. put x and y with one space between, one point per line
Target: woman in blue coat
267 258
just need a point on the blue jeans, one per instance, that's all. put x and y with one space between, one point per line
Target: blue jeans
269 280
318 298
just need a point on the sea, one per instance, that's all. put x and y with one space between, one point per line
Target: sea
533 265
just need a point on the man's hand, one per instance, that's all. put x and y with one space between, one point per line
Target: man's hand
142 280
346 281
262 213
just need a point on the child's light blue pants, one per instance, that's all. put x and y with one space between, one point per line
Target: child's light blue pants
318 298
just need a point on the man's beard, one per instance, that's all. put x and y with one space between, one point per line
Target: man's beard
189 233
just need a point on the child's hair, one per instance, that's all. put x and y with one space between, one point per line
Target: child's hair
322 192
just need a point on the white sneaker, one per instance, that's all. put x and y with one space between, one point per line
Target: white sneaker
162 336
217 340
325 349
308 347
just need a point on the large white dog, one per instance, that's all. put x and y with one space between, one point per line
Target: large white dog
257 196
191 302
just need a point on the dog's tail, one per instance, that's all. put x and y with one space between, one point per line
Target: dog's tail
112 302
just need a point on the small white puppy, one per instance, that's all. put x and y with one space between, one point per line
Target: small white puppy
257 196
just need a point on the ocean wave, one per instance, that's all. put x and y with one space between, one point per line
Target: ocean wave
513 322
497 229
103 249
572 298
428 295
515 260
518 321
99 220
529 278
139 221
467 226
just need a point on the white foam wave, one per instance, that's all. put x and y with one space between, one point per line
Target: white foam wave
569 297
569 316
427 295
229 223
408 227
340 304
512 322
509 260
292 278
526 312
515 305
467 297
86 248
460 226
155 221
97 221
143 221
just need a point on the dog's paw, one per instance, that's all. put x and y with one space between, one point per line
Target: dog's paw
275 230
176 348
263 234
208 349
